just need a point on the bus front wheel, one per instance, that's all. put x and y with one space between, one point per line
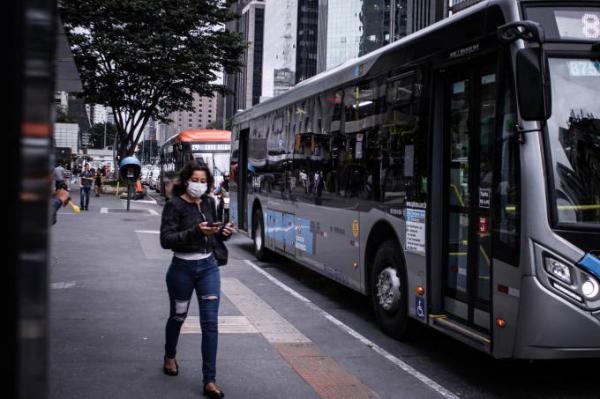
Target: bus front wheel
389 290
258 236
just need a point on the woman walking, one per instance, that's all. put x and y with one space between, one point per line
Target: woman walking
189 227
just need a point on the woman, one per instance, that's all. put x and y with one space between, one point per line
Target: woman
188 227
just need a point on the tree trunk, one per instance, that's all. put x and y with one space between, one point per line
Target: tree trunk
124 149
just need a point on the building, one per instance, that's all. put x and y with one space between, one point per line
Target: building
66 135
458 5
246 85
279 56
204 113
290 45
99 114
282 37
352 28
307 39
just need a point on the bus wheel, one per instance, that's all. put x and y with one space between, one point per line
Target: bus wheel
258 235
389 290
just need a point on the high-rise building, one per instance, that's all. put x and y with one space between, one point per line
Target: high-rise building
307 39
291 38
352 28
279 56
457 5
99 114
204 113
246 85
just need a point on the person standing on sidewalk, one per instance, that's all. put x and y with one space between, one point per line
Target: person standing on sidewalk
87 179
188 226
59 176
98 181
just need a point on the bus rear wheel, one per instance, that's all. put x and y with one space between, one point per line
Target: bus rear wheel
258 236
389 290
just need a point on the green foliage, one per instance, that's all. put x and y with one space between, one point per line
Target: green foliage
144 58
62 115
147 151
97 135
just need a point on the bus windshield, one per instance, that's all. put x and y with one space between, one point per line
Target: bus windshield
218 163
574 140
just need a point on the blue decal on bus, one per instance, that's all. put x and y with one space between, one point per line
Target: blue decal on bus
591 263
289 233
304 236
274 228
420 307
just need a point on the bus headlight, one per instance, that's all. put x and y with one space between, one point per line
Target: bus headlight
558 269
590 288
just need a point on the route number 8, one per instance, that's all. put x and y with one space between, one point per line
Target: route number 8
591 26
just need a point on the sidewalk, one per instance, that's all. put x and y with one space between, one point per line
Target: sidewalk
108 308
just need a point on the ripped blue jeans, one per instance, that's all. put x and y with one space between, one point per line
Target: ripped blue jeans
183 277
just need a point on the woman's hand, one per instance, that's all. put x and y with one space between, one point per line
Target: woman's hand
208 230
228 230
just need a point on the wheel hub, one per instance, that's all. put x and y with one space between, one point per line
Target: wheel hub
388 289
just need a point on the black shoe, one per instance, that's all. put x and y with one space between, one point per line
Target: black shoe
171 372
213 394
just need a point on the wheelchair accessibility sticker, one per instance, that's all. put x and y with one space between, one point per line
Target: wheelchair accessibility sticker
420 307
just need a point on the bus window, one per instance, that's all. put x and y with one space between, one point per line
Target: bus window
404 143
507 191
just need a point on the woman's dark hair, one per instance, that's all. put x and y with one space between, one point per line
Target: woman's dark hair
185 174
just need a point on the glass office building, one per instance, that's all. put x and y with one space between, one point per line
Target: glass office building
357 27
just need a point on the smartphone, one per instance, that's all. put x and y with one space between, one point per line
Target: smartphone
213 224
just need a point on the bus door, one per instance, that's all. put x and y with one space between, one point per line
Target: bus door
242 191
469 128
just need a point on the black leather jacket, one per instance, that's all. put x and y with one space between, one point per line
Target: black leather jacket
179 229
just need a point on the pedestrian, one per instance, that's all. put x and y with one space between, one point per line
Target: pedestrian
87 179
60 198
189 226
58 174
98 181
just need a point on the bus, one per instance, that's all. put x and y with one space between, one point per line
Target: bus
452 176
210 146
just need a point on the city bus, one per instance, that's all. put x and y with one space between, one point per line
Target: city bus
452 176
210 146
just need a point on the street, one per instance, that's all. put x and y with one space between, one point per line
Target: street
285 331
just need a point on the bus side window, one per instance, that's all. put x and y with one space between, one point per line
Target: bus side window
404 142
507 189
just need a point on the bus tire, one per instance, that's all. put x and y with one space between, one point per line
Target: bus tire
388 287
258 236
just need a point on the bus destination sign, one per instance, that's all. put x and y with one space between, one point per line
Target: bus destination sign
578 24
210 147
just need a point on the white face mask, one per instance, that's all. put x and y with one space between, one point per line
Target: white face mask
196 189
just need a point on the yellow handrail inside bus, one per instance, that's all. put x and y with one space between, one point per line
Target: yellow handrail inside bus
512 208
458 196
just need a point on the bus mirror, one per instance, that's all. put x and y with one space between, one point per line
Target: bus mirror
533 85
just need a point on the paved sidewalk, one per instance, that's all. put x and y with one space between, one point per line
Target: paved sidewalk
108 308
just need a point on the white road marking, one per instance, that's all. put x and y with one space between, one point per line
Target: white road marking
393 359
148 231
103 210
150 201
153 212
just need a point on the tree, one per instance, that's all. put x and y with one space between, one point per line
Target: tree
147 151
145 58
97 135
